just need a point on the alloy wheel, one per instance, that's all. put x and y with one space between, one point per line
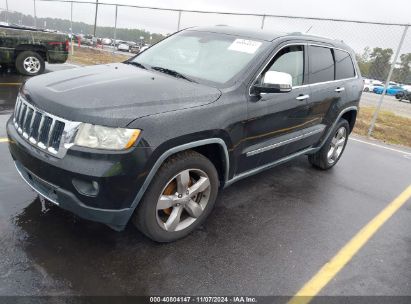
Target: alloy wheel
337 145
32 65
183 200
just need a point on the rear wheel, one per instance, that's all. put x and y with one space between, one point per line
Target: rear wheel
333 148
179 198
30 63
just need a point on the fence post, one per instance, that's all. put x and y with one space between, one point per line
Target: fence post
262 22
377 110
71 26
179 20
115 30
7 11
35 13
95 19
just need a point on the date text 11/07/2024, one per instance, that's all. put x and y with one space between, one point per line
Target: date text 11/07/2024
203 299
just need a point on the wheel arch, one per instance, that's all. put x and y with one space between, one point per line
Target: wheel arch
350 113
350 116
204 146
40 49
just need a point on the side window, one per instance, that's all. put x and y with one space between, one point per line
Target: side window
290 60
344 67
321 64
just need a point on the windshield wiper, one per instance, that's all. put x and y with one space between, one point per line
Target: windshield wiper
172 73
137 64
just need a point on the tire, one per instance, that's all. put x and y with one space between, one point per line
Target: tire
154 221
30 63
366 89
399 96
321 159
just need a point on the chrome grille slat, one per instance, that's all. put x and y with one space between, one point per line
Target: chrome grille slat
46 131
30 128
53 123
27 122
34 133
21 117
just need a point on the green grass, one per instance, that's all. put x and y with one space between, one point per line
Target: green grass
389 128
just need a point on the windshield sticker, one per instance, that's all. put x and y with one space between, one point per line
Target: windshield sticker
245 46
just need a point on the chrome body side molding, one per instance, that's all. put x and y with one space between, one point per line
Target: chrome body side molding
289 157
285 142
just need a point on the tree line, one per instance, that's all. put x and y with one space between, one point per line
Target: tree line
373 63
376 63
63 25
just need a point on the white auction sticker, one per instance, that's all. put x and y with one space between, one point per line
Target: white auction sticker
245 46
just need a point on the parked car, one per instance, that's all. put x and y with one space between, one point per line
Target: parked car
145 47
391 90
88 40
106 41
124 47
135 49
406 95
28 49
370 84
159 154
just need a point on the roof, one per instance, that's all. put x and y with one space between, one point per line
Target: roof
238 31
265 34
20 27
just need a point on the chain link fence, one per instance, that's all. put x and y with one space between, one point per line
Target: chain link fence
383 49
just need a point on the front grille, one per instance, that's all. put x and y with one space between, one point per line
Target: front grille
38 127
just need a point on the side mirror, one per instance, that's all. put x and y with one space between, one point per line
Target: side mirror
274 82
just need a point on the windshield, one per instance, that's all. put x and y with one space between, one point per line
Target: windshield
202 55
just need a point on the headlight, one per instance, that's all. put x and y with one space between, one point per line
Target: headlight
99 137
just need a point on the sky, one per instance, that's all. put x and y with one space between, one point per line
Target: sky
356 35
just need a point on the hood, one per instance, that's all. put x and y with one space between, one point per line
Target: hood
114 94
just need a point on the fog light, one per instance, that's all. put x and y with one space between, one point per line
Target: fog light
89 188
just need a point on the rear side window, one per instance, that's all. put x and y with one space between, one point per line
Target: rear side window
344 67
321 64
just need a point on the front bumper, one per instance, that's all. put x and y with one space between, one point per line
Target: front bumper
119 176
116 219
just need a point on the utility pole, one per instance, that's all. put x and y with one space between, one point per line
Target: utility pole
115 30
71 27
35 14
95 19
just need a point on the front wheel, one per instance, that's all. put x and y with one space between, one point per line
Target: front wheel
333 148
30 63
179 198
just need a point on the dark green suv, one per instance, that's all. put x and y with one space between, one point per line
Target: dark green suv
28 49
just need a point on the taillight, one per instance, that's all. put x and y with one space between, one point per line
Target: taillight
66 44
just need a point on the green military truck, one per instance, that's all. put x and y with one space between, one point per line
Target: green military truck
28 49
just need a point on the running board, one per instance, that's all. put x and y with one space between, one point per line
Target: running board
268 166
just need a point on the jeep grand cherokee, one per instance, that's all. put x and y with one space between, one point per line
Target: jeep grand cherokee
152 139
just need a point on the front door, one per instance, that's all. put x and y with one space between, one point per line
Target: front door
276 120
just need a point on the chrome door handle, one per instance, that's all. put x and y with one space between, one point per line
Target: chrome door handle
339 89
303 97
